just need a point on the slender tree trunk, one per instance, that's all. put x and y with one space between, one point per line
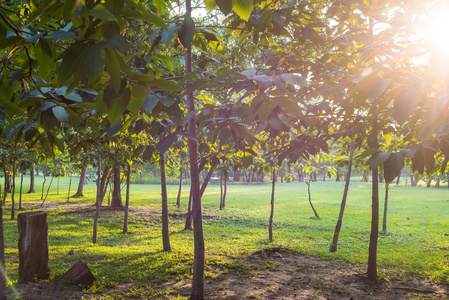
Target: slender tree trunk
372 253
43 185
97 204
270 223
221 191
32 180
79 192
125 222
5 192
21 189
225 190
2 260
116 193
384 223
70 186
197 215
165 225
48 189
412 182
334 245
105 177
206 181
188 225
178 199
13 186
310 200
399 178
57 187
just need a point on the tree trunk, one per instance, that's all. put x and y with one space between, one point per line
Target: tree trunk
78 275
384 223
7 183
188 225
270 223
225 190
21 189
48 189
33 247
43 185
178 199
334 245
79 192
165 225
32 180
128 176
381 178
105 177
97 204
197 215
13 192
116 193
70 186
310 200
398 179
57 187
437 184
412 181
372 253
221 191
2 259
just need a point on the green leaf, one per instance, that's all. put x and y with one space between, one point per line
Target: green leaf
418 160
112 66
405 103
74 118
118 42
243 8
378 158
110 29
429 159
167 100
186 32
165 143
164 84
294 79
94 62
393 166
72 61
168 35
11 41
60 114
118 106
100 11
277 124
150 103
60 35
115 6
225 6
210 4
69 8
138 92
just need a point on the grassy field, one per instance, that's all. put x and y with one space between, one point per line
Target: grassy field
417 240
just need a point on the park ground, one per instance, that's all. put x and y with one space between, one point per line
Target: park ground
240 262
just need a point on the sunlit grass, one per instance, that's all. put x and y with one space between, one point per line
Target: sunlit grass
417 240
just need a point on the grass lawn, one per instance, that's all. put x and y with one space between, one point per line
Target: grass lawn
417 240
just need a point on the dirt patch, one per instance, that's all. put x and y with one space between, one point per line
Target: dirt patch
276 274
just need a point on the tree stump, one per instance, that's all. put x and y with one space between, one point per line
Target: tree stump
33 247
79 274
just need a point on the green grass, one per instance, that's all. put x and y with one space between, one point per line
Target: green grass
417 241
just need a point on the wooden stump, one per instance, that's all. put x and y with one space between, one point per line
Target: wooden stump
33 247
79 274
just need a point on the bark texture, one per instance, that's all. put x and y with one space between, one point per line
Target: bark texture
79 274
33 247
116 193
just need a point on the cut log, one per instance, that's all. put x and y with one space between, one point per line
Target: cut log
79 274
33 247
